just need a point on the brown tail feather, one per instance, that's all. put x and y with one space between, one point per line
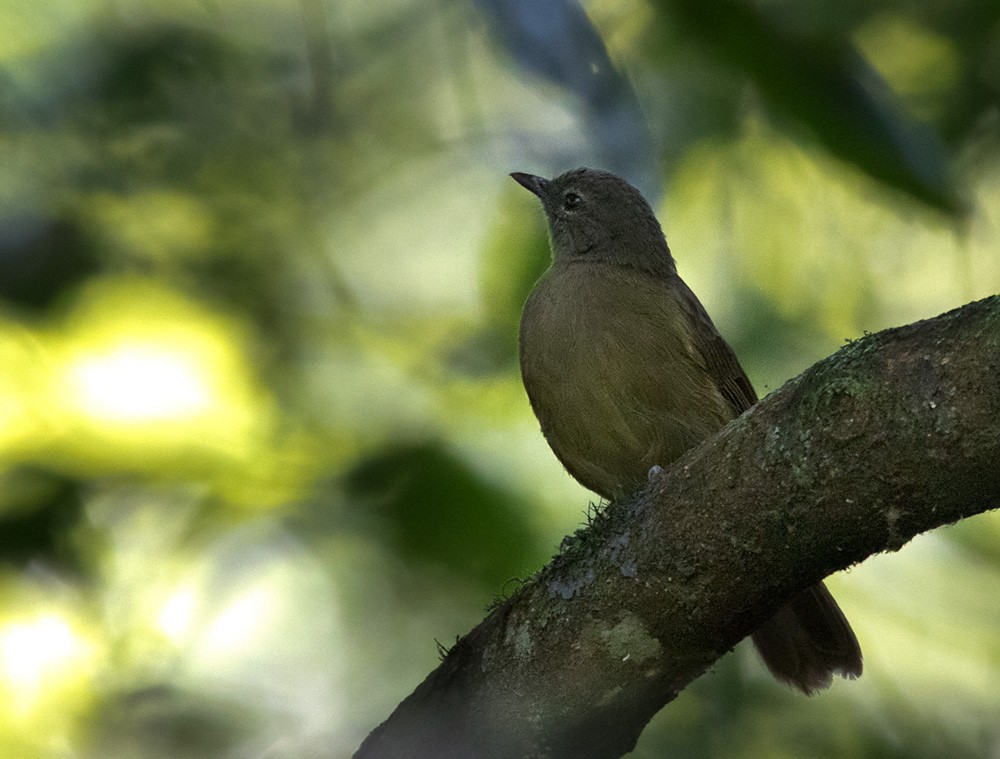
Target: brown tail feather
808 641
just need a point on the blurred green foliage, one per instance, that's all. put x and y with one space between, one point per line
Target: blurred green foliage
262 436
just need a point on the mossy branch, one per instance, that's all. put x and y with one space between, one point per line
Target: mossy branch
895 434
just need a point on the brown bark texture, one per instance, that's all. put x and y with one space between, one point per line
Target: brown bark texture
895 434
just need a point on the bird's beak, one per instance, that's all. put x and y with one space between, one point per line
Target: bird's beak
537 185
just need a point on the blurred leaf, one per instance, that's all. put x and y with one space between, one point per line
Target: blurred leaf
41 257
557 41
163 721
145 68
515 254
824 83
972 28
438 510
924 68
38 512
487 350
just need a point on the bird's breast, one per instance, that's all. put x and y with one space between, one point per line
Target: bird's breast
613 375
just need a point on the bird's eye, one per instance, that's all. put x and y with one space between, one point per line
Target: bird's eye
571 200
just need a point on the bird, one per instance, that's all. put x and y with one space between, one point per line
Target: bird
625 371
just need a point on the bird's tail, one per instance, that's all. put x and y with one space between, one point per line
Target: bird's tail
808 641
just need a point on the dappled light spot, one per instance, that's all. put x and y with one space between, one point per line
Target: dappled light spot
141 383
177 613
239 619
144 379
34 652
47 664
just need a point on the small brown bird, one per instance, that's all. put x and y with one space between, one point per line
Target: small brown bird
626 371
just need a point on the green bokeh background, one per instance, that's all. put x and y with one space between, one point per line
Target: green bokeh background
263 444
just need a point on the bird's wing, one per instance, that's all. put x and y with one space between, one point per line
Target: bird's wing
721 362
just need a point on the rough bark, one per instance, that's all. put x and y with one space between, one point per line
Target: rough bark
895 434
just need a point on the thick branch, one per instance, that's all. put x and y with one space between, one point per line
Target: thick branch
893 435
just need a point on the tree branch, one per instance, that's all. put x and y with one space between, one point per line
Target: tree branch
893 435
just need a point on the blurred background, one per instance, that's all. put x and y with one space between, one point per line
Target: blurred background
263 443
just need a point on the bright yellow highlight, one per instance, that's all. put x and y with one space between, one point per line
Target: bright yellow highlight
137 383
137 378
23 424
145 379
37 658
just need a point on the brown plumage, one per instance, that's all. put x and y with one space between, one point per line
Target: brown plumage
625 371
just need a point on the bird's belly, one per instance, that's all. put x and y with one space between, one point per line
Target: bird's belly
609 444
611 412
613 375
